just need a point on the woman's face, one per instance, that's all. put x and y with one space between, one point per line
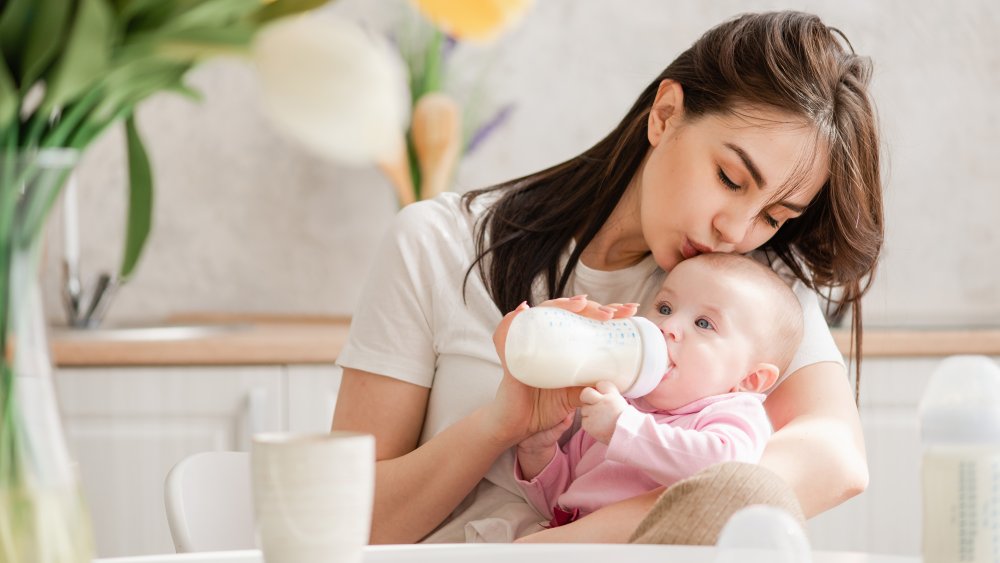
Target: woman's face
721 183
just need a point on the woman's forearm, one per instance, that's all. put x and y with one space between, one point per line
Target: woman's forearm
417 491
818 447
614 523
820 459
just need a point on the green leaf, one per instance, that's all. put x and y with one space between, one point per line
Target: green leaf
151 16
13 28
191 44
44 39
282 8
128 84
9 100
129 10
140 201
215 14
154 14
86 55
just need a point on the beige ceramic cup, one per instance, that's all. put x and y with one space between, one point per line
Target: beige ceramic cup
313 495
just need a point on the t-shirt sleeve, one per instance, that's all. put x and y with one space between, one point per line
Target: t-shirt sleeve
391 332
817 341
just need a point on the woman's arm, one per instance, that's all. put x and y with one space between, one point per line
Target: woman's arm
818 447
614 523
415 488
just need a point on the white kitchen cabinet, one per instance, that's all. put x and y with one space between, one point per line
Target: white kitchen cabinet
128 426
312 394
887 517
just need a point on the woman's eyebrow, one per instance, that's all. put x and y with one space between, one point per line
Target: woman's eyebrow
749 163
793 207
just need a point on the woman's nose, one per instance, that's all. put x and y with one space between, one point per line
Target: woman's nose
732 227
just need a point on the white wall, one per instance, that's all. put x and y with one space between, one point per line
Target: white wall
246 221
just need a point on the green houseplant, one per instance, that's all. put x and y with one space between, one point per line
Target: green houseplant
69 70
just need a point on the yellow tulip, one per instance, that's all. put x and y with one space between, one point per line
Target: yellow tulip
476 20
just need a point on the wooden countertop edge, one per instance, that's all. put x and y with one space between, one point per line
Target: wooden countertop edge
272 344
306 340
918 343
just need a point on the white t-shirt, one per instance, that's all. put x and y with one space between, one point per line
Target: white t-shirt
412 324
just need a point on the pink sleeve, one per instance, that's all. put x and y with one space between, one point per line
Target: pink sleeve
731 430
544 490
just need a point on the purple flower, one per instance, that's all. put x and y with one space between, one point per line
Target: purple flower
487 128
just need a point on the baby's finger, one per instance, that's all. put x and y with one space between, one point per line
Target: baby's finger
606 387
589 396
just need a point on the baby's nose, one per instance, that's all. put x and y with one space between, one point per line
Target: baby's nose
670 330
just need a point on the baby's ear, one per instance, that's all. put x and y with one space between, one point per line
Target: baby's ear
762 378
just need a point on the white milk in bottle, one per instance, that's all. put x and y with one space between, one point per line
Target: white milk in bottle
550 348
960 431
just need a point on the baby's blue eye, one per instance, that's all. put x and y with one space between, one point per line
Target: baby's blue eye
703 323
665 309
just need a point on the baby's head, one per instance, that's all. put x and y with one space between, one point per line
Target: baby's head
731 324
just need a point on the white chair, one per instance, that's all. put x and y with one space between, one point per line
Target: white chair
209 504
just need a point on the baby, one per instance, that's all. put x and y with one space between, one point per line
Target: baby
731 326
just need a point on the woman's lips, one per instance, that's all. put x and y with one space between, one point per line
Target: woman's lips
692 249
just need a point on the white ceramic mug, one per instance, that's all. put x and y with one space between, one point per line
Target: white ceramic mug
313 495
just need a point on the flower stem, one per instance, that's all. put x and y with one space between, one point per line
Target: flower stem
63 129
9 195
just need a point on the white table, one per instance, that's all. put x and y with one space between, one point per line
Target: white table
519 553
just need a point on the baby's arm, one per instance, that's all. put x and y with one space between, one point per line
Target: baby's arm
735 429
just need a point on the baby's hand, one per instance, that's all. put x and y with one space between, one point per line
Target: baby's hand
602 405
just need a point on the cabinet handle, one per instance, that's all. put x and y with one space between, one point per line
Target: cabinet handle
254 416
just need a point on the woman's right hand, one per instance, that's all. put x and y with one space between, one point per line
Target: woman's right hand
518 410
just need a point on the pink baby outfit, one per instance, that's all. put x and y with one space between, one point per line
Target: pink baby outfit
648 449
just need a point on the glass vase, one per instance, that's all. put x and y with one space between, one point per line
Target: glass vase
43 518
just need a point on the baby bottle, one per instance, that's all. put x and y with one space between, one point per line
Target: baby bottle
960 430
551 348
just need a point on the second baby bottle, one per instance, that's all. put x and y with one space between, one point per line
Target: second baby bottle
549 348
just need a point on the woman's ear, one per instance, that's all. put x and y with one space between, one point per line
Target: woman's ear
667 108
762 378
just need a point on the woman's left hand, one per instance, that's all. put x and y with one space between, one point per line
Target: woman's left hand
518 410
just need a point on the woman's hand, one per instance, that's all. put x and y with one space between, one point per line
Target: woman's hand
537 450
519 411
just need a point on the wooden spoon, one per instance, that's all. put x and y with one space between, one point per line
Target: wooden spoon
396 167
436 130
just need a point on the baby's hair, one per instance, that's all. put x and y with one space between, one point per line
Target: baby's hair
780 312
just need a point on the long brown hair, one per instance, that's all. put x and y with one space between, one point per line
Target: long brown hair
788 61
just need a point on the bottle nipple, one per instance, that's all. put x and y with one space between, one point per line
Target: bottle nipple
655 361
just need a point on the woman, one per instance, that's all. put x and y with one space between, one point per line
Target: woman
760 136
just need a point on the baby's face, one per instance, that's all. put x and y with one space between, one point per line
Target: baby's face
711 332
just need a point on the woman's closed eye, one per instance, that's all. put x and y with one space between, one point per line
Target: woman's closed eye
733 186
727 182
